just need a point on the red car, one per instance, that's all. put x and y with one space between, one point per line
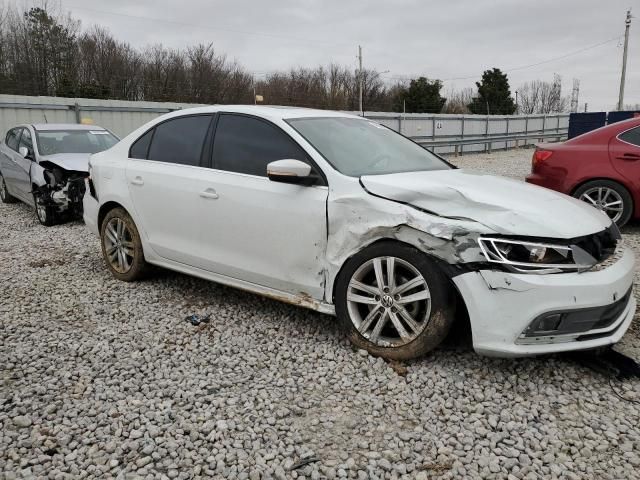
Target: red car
601 167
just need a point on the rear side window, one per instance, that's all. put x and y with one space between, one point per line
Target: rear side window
140 147
246 145
12 138
180 140
631 136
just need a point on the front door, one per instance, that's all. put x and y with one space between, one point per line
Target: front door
256 230
24 165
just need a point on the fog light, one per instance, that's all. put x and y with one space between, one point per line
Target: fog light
548 323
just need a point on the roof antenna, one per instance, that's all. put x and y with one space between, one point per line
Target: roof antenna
45 117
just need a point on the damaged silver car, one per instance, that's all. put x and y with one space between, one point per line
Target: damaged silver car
44 165
342 215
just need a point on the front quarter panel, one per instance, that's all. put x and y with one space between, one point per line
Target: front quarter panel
358 219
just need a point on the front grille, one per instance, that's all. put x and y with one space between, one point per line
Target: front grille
600 245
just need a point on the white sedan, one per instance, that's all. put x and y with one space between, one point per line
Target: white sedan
342 215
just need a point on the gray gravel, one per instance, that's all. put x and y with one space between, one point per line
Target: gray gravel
101 378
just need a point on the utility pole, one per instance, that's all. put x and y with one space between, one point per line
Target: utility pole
627 23
360 79
575 95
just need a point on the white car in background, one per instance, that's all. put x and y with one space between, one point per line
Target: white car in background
340 214
44 166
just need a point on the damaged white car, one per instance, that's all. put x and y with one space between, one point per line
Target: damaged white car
342 215
44 165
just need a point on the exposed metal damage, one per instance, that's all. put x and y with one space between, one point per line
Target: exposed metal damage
357 221
61 190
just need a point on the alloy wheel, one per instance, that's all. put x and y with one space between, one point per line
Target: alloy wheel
605 199
3 189
388 301
41 211
118 245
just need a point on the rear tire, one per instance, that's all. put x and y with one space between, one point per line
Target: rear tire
609 197
5 196
121 246
398 321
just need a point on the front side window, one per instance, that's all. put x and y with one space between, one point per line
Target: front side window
631 136
51 142
246 145
179 140
26 141
356 146
12 138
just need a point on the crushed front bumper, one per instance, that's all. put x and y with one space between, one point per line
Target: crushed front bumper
502 307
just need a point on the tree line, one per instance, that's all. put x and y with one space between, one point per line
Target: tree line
44 53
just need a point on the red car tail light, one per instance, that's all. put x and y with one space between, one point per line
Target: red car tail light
540 156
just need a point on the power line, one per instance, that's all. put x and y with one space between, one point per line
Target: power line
522 67
206 27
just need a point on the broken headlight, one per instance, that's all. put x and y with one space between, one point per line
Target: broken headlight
534 257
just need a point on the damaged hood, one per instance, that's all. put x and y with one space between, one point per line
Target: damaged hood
78 162
507 206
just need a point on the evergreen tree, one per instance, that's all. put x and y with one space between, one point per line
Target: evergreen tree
422 96
494 94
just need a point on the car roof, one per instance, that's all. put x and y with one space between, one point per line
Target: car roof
64 126
267 111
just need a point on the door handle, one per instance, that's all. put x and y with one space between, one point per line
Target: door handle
629 156
209 193
137 181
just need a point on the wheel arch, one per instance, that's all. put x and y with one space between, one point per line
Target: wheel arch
462 324
106 208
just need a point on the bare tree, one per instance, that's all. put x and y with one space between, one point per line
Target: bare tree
458 101
539 96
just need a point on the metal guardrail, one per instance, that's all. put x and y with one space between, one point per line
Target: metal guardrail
488 140
457 141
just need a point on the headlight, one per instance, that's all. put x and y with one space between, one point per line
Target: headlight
535 257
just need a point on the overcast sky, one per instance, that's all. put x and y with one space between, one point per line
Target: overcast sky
444 39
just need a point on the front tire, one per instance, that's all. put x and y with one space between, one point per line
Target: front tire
5 196
121 246
46 214
393 301
609 197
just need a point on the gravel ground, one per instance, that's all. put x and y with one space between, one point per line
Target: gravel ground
101 378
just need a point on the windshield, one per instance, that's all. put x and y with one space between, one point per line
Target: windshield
51 142
357 147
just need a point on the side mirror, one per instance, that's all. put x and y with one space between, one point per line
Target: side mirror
25 153
291 171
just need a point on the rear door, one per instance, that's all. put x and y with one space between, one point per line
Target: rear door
10 167
165 178
256 230
624 152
